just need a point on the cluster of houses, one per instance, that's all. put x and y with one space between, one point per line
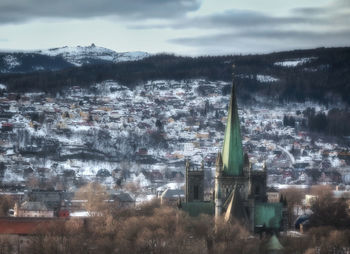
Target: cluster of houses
43 203
135 143
158 122
115 134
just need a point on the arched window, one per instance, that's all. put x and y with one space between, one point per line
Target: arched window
257 190
195 192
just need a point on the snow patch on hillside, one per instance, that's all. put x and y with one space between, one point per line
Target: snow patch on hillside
295 62
38 68
11 61
132 56
266 78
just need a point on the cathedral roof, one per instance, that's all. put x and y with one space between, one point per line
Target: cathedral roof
268 215
274 244
232 151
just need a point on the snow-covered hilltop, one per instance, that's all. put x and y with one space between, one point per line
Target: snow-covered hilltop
81 55
59 58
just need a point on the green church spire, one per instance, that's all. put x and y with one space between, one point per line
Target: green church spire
232 151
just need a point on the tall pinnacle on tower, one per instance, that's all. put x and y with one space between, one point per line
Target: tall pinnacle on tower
232 151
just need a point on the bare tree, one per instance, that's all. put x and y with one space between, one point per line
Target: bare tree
294 197
321 191
6 202
96 197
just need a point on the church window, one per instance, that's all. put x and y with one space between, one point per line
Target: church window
196 192
257 190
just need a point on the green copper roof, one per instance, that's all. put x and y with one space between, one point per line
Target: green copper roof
232 151
268 214
274 244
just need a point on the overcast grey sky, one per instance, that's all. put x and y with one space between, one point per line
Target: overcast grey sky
191 27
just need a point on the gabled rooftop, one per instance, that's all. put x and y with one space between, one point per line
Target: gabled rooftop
33 206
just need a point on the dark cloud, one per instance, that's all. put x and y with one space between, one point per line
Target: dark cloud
22 10
266 40
342 4
333 9
309 11
248 30
230 19
246 19
338 12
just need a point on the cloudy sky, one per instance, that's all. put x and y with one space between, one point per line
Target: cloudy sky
191 27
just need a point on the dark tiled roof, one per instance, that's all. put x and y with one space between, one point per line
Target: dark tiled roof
271 189
33 206
197 208
123 197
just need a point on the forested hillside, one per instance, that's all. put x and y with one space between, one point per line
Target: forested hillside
321 74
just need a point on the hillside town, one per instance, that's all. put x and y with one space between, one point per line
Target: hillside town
134 144
182 126
135 141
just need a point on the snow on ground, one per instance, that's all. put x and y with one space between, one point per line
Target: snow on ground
324 145
303 159
3 87
266 78
145 198
109 182
38 68
172 186
81 168
335 162
286 186
11 61
79 214
140 179
12 177
131 56
295 62
292 233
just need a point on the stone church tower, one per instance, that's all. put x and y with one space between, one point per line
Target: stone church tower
237 187
240 191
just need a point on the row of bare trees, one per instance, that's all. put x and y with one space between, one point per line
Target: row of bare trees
148 229
156 229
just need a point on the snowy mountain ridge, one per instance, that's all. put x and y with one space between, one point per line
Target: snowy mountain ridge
81 55
62 57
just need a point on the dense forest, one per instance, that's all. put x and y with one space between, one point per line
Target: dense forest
325 78
335 122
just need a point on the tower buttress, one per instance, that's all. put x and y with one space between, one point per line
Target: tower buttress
194 183
218 197
187 165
